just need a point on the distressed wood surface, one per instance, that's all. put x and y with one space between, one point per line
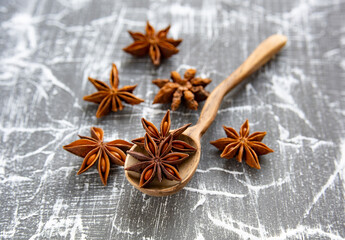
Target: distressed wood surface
49 48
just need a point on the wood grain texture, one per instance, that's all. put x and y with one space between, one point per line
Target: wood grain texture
49 48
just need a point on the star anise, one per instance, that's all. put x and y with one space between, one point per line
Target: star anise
159 136
156 45
243 145
190 89
159 161
110 98
93 149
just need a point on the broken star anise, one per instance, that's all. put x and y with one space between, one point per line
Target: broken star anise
243 145
159 136
157 45
110 98
190 89
93 149
159 161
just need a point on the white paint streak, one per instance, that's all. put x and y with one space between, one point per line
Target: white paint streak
338 171
300 231
218 169
239 229
342 64
276 183
302 141
199 236
74 4
244 231
15 179
213 192
199 203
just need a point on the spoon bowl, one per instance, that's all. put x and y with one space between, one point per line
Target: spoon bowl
262 54
186 169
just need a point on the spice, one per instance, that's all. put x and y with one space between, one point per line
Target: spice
159 161
93 149
159 136
190 89
157 45
110 98
242 145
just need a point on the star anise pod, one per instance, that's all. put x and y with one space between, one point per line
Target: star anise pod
190 89
110 98
157 45
93 150
243 145
159 161
159 136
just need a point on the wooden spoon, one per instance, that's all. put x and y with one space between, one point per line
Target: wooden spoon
262 54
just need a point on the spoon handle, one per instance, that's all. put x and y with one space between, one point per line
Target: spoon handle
262 54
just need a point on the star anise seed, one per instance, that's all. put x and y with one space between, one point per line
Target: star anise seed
110 98
189 89
156 45
242 145
159 161
159 136
93 149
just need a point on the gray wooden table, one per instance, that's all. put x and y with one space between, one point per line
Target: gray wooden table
49 48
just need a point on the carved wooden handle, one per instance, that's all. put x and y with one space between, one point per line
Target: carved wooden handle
262 54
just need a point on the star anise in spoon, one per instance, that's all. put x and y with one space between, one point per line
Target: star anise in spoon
159 161
93 150
190 89
242 145
110 98
159 136
157 45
